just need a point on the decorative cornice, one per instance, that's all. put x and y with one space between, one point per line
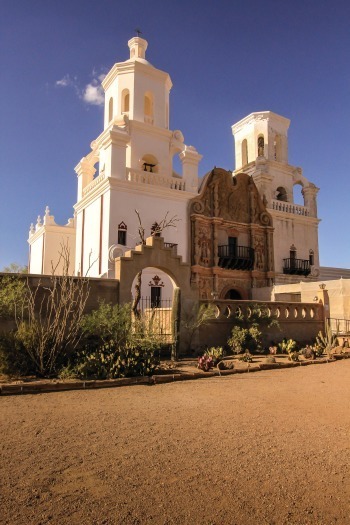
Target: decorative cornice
259 116
135 66
136 125
52 228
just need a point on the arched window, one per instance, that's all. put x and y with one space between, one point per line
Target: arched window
233 294
261 145
110 109
122 229
281 194
148 107
156 285
298 195
149 163
244 152
311 257
125 101
292 255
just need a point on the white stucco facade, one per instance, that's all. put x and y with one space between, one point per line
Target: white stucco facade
130 167
48 245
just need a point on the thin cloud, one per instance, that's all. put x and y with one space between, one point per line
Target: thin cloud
92 94
65 81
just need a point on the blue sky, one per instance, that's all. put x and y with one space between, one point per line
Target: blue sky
226 60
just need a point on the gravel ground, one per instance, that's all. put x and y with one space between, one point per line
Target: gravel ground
264 448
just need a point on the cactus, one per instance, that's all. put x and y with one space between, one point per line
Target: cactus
328 340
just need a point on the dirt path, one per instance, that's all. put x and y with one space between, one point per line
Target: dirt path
264 448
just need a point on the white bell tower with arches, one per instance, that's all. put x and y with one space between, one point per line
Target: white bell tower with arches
261 150
130 166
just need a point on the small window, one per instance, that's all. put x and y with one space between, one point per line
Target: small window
261 145
232 246
292 255
125 101
122 229
244 152
311 258
281 194
110 109
156 293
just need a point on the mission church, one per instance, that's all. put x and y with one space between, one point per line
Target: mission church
238 231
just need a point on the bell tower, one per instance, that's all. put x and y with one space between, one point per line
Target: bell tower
261 151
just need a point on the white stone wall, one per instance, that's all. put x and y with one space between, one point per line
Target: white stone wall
36 249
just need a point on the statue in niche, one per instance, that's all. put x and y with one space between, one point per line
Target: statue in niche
261 146
205 252
204 288
203 247
259 253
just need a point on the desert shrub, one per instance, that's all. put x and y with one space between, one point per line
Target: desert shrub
48 317
312 351
13 295
327 341
287 346
116 344
246 357
14 360
247 334
196 318
215 352
109 362
308 352
245 339
107 326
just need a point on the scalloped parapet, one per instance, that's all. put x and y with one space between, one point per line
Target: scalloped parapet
155 254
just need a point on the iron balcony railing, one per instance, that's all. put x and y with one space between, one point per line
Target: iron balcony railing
339 326
236 257
296 266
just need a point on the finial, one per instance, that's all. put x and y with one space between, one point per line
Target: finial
32 229
138 31
47 211
38 221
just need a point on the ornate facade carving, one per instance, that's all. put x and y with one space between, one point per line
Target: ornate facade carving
229 221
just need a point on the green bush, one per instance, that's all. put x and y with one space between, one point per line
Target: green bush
115 344
107 326
14 360
245 340
12 296
108 362
246 335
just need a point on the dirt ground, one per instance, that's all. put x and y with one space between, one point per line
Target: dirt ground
263 448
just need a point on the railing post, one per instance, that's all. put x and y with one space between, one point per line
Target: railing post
175 323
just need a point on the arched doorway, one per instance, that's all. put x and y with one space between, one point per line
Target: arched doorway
162 259
153 294
233 295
